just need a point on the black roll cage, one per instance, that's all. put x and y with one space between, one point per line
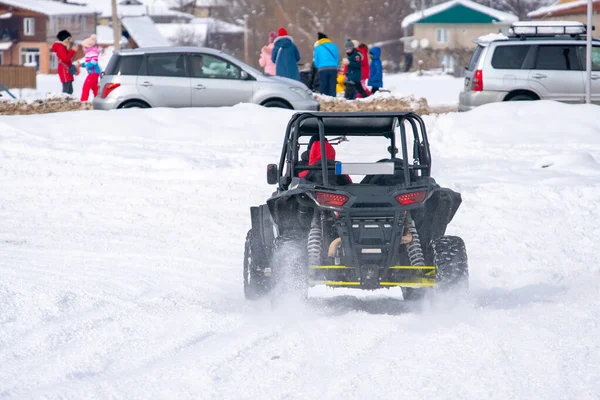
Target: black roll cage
354 124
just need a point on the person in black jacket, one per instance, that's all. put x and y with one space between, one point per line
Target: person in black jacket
354 72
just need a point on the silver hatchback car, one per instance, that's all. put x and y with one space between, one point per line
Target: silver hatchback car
193 77
540 61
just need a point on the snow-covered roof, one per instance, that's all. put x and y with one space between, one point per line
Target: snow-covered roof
197 3
47 7
216 25
499 15
105 35
172 31
137 8
143 31
540 12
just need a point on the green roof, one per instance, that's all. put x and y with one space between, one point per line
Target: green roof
458 14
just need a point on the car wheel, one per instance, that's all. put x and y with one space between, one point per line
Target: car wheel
135 104
277 104
522 97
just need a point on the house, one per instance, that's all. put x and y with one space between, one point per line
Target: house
159 11
200 8
443 35
29 27
222 35
142 32
105 37
205 32
565 10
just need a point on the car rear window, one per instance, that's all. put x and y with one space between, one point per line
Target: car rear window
124 65
475 58
509 57
557 58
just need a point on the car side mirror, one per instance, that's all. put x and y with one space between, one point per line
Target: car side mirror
272 174
244 75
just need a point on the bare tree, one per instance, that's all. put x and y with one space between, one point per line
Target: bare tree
521 8
379 21
188 36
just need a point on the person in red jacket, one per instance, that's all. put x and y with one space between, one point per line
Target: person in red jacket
364 50
65 51
314 157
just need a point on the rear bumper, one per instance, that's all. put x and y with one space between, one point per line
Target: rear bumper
104 104
306 105
468 100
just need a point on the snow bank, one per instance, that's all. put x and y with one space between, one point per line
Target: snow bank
377 102
438 90
122 238
50 104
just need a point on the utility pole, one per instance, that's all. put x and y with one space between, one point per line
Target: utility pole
246 44
115 25
588 53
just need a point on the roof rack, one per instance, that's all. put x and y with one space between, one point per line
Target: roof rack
547 28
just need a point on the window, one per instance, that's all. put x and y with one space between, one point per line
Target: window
475 58
595 57
124 65
557 58
53 61
169 65
207 66
83 23
29 26
442 35
30 56
509 57
1 57
448 62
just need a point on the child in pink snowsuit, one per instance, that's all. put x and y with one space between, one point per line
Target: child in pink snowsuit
91 51
265 56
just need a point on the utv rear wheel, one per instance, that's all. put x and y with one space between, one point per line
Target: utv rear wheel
450 259
256 285
289 266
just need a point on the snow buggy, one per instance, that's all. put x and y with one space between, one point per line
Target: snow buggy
320 228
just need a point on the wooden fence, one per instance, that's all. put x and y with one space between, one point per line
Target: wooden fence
18 77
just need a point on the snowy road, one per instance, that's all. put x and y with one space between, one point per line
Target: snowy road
121 242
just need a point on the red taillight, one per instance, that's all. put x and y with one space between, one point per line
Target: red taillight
477 82
109 87
331 199
410 198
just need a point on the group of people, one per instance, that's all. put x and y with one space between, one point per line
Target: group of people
360 68
68 67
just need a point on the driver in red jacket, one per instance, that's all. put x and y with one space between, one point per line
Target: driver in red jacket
65 51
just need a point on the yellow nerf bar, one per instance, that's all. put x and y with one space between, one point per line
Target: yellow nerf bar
419 267
420 282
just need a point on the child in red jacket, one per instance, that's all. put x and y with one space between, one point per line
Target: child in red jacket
65 51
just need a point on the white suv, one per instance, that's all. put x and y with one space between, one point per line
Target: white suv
539 61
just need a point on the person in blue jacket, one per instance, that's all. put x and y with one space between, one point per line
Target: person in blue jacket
354 71
285 56
376 74
326 59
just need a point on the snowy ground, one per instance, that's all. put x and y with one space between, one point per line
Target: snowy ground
439 90
122 237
